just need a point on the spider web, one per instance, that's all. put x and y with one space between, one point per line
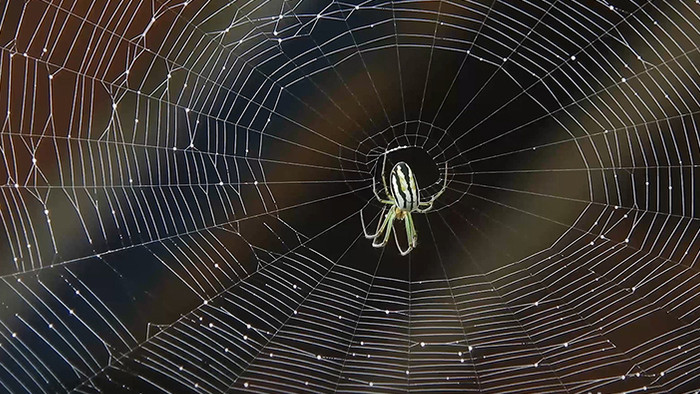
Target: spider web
182 181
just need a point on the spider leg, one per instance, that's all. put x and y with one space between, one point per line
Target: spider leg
429 203
386 227
424 210
414 233
380 223
381 200
386 189
409 236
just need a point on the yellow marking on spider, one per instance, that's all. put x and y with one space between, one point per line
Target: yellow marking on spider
395 212
410 179
402 179
400 214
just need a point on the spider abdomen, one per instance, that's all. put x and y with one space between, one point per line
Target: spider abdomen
404 187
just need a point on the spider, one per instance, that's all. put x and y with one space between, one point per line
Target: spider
403 198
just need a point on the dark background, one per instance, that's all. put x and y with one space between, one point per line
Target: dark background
216 242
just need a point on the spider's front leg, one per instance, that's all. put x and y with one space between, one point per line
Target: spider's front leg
380 224
411 236
414 233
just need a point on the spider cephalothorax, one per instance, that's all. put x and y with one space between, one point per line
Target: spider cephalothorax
403 197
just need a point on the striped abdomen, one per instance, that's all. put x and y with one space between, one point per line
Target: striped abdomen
404 187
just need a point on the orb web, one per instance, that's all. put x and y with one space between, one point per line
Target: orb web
181 183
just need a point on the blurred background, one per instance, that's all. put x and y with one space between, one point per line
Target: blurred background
182 182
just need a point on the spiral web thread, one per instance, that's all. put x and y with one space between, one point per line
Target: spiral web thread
148 138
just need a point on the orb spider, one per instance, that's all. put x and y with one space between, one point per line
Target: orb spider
403 199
